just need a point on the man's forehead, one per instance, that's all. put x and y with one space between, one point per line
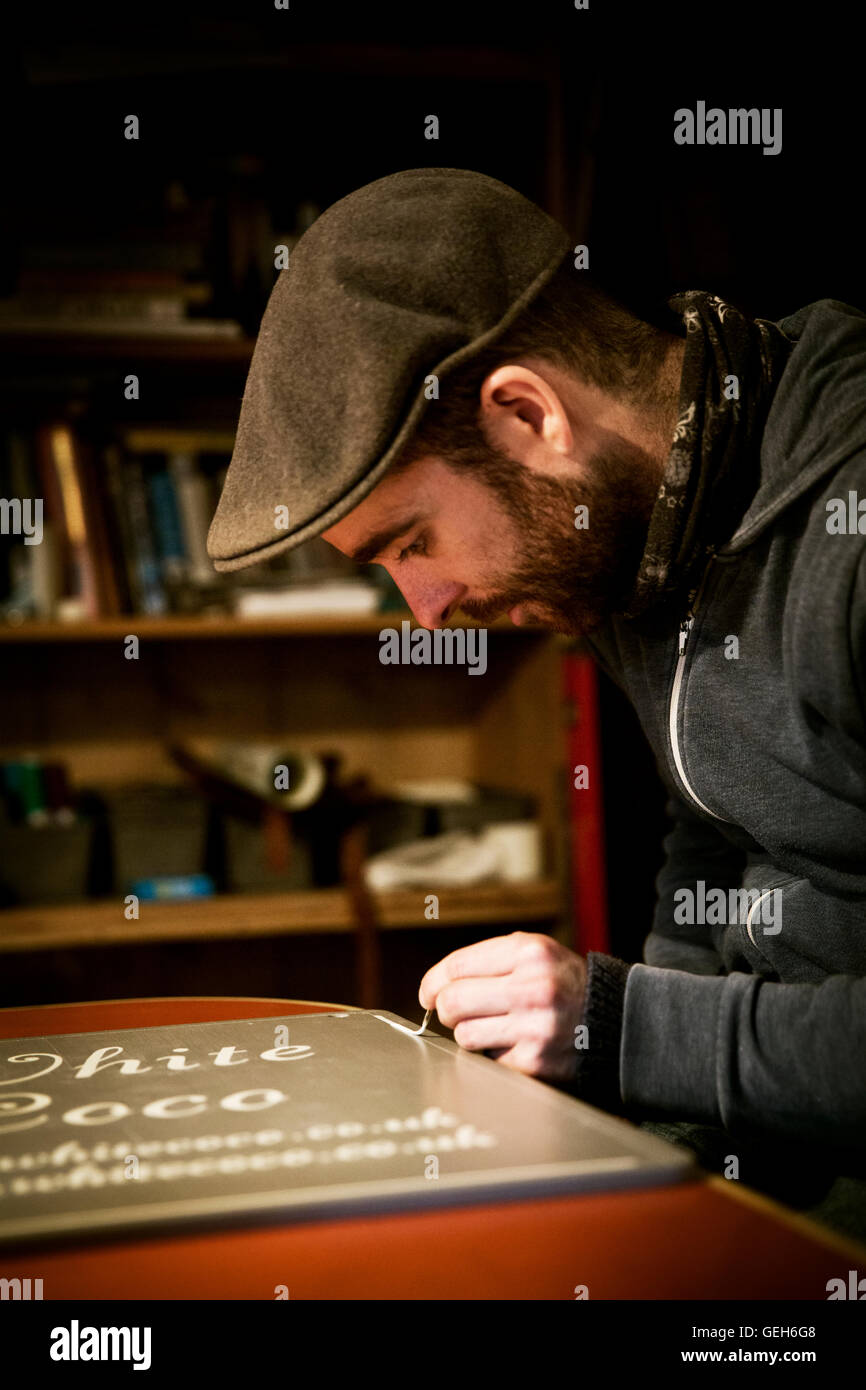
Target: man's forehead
371 513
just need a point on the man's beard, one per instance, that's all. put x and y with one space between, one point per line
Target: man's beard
571 578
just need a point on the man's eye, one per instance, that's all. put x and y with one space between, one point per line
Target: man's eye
418 547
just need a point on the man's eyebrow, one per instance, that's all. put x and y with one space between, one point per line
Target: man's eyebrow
375 544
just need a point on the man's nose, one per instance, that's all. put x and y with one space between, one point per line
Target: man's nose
432 606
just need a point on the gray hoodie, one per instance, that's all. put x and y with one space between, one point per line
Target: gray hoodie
750 1010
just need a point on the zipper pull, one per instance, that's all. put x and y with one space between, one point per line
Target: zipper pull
688 620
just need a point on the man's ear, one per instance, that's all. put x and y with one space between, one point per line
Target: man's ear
521 412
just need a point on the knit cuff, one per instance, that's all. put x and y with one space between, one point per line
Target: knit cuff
596 1078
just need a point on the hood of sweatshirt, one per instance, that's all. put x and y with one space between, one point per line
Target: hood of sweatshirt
818 415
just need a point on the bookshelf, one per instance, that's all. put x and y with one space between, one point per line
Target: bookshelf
313 681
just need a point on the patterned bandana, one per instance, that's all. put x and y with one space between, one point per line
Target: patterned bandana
731 367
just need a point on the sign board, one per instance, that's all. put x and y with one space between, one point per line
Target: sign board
282 1119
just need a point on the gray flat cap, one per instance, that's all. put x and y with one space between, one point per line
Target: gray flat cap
412 274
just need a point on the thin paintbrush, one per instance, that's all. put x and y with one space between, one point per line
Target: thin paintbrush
401 1027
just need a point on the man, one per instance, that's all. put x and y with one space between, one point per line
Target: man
438 389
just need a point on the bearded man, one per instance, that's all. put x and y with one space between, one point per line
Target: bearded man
439 389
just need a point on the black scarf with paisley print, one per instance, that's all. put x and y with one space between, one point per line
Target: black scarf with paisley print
731 367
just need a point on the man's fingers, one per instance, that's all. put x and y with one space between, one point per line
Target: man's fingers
481 998
493 1035
496 956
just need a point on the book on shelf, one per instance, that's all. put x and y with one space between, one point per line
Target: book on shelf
133 498
73 506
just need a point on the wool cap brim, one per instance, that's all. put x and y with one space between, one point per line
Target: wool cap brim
408 276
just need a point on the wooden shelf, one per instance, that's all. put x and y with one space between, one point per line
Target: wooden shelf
222 625
101 923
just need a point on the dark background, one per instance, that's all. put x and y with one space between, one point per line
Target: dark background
240 111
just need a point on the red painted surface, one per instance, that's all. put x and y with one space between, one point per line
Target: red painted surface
586 808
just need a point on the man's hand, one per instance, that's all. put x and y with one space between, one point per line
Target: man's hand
518 997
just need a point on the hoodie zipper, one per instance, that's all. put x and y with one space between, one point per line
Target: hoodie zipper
673 715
